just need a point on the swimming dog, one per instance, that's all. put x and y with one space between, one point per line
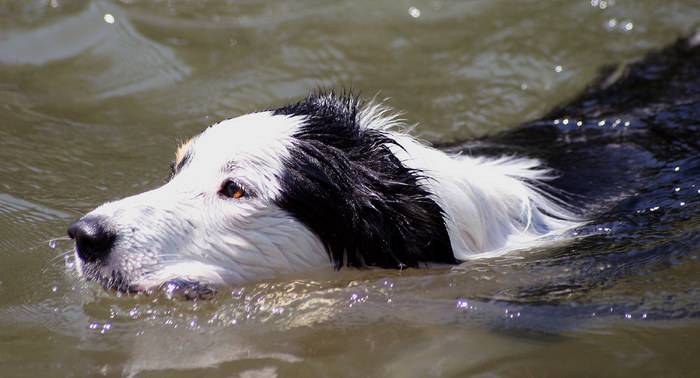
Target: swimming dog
331 181
327 181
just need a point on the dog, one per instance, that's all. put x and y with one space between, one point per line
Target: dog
331 181
328 181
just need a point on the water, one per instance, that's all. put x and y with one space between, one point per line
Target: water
95 95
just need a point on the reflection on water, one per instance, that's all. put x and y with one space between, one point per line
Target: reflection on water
95 95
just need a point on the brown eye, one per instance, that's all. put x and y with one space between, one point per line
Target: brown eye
232 190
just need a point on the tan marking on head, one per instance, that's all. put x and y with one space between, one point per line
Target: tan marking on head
180 153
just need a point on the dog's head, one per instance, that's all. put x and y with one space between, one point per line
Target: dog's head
293 189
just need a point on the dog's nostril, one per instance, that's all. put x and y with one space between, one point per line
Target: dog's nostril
93 239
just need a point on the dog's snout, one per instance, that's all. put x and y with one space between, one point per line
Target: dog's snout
93 238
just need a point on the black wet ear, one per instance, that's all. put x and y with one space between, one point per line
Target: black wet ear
344 183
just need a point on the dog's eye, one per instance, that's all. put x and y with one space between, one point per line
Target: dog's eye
232 190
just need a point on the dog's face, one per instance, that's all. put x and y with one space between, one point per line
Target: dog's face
310 185
215 222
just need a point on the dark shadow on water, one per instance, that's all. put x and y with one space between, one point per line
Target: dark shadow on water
627 155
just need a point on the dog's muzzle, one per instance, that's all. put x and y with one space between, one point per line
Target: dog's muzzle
94 242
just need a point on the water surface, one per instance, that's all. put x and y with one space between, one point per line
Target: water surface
94 96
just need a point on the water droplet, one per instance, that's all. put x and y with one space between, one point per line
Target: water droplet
53 243
109 18
558 68
414 12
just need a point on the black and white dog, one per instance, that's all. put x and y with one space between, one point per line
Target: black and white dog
326 182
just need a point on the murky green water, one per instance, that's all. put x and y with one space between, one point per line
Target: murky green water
94 96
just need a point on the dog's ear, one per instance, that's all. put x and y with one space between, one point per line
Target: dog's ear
182 156
347 186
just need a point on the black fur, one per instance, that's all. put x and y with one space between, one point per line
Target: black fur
344 183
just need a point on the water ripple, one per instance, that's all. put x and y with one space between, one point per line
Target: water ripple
123 61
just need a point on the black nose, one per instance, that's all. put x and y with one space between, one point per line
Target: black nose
93 238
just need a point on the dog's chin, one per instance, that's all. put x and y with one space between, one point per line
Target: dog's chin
176 288
183 289
112 281
188 290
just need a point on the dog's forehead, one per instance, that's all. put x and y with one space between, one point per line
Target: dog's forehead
249 137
